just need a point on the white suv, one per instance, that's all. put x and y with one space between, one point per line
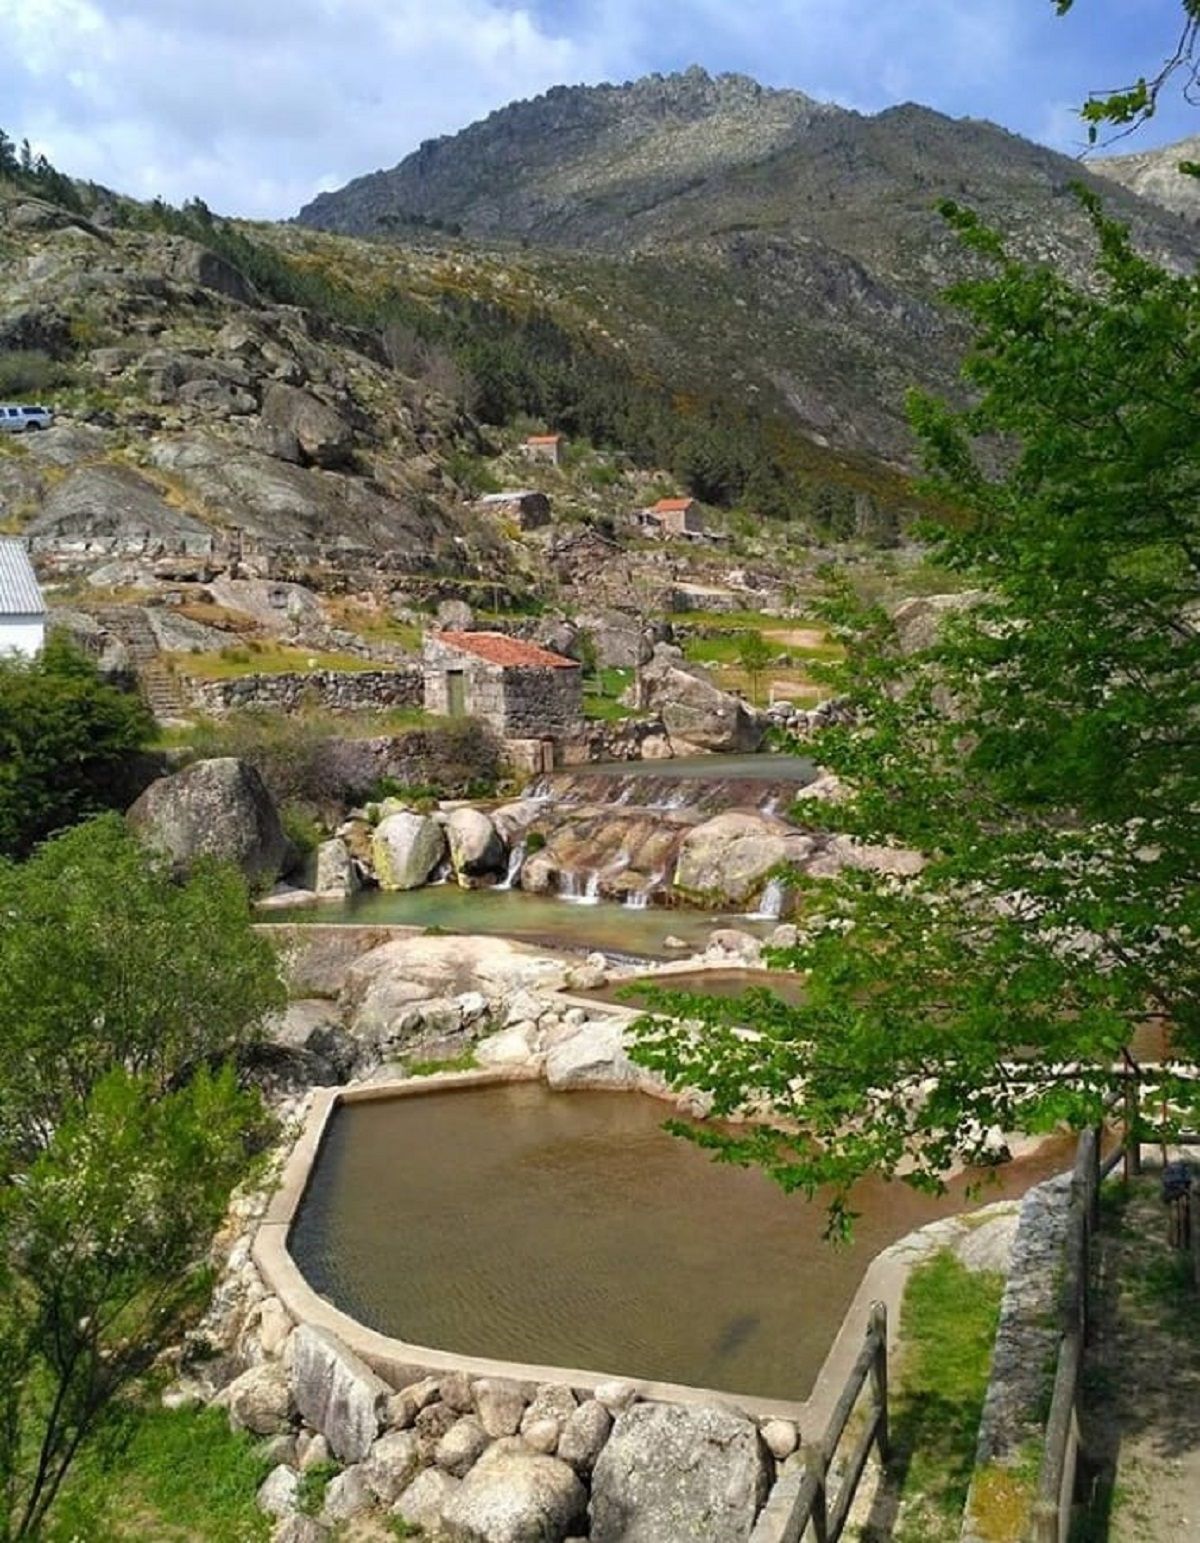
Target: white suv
24 420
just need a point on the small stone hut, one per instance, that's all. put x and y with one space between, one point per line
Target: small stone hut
544 447
521 691
527 509
673 517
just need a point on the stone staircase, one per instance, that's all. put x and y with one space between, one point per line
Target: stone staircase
157 685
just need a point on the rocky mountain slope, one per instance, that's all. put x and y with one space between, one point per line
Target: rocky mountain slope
791 251
1155 176
196 416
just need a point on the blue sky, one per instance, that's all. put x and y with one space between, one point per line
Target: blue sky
255 105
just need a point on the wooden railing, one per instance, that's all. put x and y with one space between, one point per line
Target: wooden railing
787 1518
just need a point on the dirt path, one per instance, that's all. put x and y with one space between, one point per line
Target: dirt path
1141 1423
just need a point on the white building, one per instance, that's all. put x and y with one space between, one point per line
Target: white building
22 609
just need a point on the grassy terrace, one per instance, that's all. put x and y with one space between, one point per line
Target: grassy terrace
265 659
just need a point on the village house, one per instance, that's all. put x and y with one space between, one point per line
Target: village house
521 691
544 447
22 609
526 509
673 517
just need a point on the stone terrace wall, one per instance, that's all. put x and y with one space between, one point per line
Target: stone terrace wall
334 690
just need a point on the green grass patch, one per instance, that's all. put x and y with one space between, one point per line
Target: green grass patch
948 1329
602 692
466 1062
174 1476
266 659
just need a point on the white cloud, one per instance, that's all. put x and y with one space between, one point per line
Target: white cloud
256 105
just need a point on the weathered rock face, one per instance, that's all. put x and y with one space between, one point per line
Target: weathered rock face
260 1400
337 1393
476 846
324 437
406 849
107 510
674 1472
729 856
216 809
919 621
514 1496
336 876
193 263
697 715
594 1057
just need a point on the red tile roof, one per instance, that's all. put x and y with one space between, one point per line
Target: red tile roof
496 648
543 439
669 505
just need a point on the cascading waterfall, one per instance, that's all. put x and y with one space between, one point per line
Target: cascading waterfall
638 900
770 907
516 859
442 873
569 889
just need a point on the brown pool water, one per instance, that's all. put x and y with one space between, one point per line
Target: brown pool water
570 1229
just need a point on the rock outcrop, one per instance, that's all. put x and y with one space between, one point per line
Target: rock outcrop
728 858
674 1472
337 1394
218 809
698 716
513 1495
406 848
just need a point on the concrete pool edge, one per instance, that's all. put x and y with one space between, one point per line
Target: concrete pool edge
400 1362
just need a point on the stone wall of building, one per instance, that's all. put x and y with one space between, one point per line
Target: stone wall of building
335 690
542 703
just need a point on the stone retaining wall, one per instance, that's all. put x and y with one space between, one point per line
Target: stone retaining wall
335 690
1012 1426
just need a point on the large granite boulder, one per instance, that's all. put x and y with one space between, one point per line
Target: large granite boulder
406 848
673 1472
108 509
697 715
324 436
476 846
336 1393
729 857
191 263
336 876
919 621
219 809
259 1401
515 1496
595 1057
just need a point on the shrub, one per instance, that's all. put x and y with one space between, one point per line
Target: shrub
30 372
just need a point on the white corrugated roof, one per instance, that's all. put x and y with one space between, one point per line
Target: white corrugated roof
19 592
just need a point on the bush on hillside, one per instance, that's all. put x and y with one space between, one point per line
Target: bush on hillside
68 741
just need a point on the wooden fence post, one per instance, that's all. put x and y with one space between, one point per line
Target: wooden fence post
1133 1136
815 1463
879 1375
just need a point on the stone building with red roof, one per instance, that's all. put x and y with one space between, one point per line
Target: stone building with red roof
520 690
673 517
544 447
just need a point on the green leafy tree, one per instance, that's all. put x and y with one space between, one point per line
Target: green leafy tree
126 1000
102 1246
107 961
1042 751
754 656
66 738
1132 104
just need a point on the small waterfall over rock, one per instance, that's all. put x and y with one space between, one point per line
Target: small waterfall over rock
588 894
515 860
639 899
770 907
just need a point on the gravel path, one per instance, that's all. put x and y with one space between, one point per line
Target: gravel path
1142 1378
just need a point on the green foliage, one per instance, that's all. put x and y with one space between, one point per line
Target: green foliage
101 1243
30 372
35 174
106 960
1041 752
466 1061
314 1481
302 828
754 655
66 739
1133 104
947 1331
177 1475
124 997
